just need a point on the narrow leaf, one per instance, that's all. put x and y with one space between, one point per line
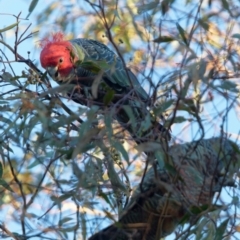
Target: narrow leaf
105 197
34 164
96 83
236 35
165 5
61 198
83 226
203 23
9 27
115 180
182 34
64 220
131 116
32 7
146 7
163 107
180 119
5 185
225 4
160 158
122 150
162 39
227 85
1 170
221 229
108 96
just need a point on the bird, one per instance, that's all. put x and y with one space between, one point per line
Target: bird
162 199
98 76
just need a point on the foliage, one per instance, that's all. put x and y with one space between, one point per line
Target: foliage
67 170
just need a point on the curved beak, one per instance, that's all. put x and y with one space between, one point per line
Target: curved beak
52 71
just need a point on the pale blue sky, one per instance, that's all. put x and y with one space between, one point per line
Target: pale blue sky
13 7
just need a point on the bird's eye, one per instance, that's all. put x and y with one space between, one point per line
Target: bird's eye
60 60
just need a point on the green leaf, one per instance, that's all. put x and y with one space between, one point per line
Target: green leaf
58 89
162 39
225 4
203 23
169 167
122 150
108 123
91 115
235 200
185 88
165 4
5 185
64 220
221 229
95 84
67 153
202 68
1 170
6 146
114 178
32 7
77 51
59 200
160 158
200 227
68 229
180 119
163 107
6 76
236 35
108 96
115 13
79 174
191 57
83 226
94 65
194 210
183 34
105 197
9 27
229 85
199 209
101 64
4 103
34 164
145 124
146 7
131 116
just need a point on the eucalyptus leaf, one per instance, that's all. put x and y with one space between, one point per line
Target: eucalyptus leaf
221 229
9 27
183 34
64 220
32 7
4 184
1 170
146 7
164 39
236 35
